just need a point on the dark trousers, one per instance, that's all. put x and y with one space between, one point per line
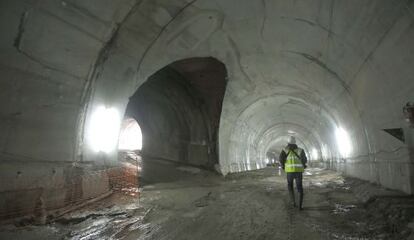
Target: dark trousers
297 177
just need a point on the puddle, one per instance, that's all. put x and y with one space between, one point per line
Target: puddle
306 173
348 237
340 208
110 226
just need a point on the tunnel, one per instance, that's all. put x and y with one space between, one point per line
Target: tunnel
179 110
216 88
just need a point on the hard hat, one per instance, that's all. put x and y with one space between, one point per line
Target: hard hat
292 140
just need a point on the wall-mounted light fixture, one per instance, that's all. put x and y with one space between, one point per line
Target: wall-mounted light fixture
315 154
343 142
104 129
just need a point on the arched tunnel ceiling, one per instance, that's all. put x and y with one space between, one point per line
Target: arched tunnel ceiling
311 66
322 62
319 53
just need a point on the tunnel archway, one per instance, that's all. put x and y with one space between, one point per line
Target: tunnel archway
302 51
179 109
130 136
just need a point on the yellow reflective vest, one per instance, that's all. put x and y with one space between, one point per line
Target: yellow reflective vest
293 161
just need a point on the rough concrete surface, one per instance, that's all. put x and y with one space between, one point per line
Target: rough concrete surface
303 68
252 205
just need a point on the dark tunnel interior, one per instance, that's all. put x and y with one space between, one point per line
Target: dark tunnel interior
178 109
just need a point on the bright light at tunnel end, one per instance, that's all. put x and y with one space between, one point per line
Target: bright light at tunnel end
130 137
103 129
343 142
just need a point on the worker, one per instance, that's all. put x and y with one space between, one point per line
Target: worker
293 161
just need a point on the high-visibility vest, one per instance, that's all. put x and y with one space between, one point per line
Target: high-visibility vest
293 161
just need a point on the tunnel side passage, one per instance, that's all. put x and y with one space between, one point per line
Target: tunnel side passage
179 110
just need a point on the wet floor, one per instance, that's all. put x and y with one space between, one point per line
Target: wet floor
252 205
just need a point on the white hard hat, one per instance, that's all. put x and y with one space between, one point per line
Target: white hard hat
292 140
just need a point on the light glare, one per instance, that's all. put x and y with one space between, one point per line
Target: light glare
104 128
130 137
325 151
343 142
315 154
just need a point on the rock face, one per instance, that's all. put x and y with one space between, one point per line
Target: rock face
333 73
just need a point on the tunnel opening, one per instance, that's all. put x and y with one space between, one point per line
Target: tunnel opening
178 109
125 177
272 157
130 136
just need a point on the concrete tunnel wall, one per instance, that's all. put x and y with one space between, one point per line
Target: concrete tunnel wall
294 67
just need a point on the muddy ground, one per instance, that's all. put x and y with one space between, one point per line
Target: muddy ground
251 205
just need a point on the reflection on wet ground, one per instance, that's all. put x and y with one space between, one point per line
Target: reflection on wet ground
252 205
